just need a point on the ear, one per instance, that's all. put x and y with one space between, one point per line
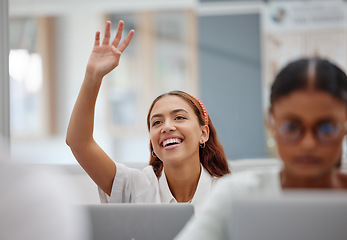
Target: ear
205 134
270 122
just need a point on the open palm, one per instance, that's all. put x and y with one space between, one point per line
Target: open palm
105 57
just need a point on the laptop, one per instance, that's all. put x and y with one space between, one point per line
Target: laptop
135 221
317 215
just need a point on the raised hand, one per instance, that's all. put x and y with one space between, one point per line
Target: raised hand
105 57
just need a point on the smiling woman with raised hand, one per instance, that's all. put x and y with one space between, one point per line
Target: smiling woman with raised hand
186 159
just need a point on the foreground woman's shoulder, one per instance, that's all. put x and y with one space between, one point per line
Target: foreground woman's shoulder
343 180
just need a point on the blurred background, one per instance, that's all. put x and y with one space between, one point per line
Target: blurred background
224 52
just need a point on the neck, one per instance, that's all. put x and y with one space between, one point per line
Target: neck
329 180
183 180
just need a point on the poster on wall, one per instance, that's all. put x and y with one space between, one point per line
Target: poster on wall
304 15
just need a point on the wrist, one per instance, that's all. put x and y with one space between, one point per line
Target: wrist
93 78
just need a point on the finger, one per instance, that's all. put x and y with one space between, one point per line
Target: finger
107 36
119 33
97 39
126 41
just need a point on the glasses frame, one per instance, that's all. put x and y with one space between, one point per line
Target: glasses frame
340 133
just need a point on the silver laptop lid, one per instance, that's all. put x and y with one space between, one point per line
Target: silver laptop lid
146 221
316 215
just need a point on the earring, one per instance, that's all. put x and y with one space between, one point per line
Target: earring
153 154
203 145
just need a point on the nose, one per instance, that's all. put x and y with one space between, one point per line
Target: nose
308 141
168 126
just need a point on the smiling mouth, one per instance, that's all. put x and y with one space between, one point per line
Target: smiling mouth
171 141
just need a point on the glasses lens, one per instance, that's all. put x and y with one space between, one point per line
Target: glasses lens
328 132
290 131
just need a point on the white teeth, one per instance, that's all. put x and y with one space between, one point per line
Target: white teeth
171 140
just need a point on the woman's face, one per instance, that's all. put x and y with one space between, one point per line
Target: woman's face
309 126
175 131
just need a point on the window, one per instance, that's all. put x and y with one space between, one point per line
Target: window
48 56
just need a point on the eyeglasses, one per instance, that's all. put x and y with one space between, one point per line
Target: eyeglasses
324 132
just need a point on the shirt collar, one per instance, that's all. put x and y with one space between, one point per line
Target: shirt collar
165 193
204 187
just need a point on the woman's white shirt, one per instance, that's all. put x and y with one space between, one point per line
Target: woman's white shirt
212 220
142 186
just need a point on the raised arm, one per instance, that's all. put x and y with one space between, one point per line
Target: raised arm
103 59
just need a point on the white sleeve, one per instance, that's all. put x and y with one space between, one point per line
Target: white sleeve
211 222
39 203
131 185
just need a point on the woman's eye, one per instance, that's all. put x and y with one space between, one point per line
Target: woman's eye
289 127
180 118
326 128
155 123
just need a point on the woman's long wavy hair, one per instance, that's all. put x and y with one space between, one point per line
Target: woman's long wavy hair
212 156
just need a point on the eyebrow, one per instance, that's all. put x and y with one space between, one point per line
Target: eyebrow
291 117
171 113
318 121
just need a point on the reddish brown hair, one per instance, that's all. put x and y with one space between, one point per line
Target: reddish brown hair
212 156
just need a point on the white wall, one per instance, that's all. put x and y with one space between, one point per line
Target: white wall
57 7
4 74
74 41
